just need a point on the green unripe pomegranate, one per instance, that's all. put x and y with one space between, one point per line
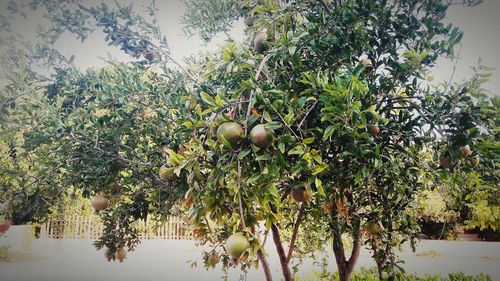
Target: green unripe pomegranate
236 245
374 228
230 133
258 42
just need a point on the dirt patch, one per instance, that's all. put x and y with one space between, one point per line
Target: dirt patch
431 254
490 258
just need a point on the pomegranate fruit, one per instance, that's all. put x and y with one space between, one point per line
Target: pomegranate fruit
374 228
374 130
100 203
259 42
4 226
444 162
121 254
367 63
466 151
230 133
213 260
150 56
236 244
260 137
300 193
109 254
474 161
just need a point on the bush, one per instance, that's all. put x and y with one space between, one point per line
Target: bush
435 218
371 275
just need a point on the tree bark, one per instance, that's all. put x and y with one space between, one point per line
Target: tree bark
265 265
287 274
377 260
345 267
295 232
356 248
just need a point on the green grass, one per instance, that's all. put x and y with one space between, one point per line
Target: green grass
8 256
371 275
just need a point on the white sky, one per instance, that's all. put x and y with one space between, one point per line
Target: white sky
481 27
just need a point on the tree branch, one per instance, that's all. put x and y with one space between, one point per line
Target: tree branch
265 265
281 253
327 8
295 232
356 248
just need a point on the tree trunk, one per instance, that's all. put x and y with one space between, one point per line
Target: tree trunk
265 265
281 253
345 267
379 262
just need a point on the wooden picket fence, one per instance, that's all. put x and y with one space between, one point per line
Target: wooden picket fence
77 227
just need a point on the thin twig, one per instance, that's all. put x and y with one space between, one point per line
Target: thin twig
284 122
240 201
252 93
454 68
327 8
307 114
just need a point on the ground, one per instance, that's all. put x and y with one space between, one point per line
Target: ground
155 260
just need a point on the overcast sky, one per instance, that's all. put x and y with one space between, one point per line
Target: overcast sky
481 27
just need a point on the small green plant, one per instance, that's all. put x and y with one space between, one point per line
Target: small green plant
372 275
4 253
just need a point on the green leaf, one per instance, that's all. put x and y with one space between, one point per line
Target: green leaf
297 150
253 178
208 99
328 133
319 169
244 153
319 186
264 157
281 147
267 117
309 140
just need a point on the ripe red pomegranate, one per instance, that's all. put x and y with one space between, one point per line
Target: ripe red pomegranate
4 226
